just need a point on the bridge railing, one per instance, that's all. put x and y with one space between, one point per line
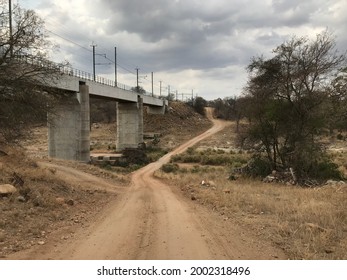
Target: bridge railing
98 79
68 70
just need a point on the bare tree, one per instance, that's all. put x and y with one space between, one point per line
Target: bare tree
26 74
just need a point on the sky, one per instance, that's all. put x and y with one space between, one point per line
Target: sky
199 46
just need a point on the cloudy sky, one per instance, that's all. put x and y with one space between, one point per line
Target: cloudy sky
203 45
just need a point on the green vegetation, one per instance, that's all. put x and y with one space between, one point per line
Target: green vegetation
211 157
170 168
290 101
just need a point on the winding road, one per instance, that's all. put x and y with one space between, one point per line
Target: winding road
151 220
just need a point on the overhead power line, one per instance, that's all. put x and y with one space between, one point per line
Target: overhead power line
68 40
105 57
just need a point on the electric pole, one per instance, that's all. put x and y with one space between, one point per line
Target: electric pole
152 85
94 75
115 67
160 88
137 78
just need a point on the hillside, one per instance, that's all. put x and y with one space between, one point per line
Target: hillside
179 124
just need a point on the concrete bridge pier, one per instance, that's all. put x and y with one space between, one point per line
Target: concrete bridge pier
69 128
129 124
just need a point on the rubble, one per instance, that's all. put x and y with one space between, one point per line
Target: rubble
284 177
335 183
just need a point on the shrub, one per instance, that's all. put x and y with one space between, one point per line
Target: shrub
339 137
170 168
216 160
325 170
259 167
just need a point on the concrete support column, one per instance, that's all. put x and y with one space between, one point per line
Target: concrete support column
140 111
69 128
129 124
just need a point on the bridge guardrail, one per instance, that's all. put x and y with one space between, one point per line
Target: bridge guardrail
98 79
68 70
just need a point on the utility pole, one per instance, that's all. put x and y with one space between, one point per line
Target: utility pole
94 75
160 88
115 67
137 78
168 91
10 21
152 85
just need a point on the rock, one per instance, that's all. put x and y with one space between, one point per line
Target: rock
208 183
7 189
70 202
192 197
41 242
329 250
330 182
269 179
226 191
21 198
335 183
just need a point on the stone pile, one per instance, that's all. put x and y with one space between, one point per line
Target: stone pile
283 177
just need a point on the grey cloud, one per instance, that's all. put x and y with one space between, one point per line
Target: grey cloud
175 35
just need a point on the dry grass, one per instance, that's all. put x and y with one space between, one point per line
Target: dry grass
306 223
48 204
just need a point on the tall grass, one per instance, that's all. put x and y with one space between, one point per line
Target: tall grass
305 223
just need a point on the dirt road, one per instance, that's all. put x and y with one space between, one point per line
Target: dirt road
153 221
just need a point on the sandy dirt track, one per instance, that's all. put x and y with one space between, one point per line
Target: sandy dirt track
151 220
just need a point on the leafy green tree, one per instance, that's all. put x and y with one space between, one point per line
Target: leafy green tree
199 105
231 108
336 108
287 94
139 89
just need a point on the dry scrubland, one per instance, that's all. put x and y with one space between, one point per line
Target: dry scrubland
307 223
48 207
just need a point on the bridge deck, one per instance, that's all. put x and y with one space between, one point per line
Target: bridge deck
71 83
